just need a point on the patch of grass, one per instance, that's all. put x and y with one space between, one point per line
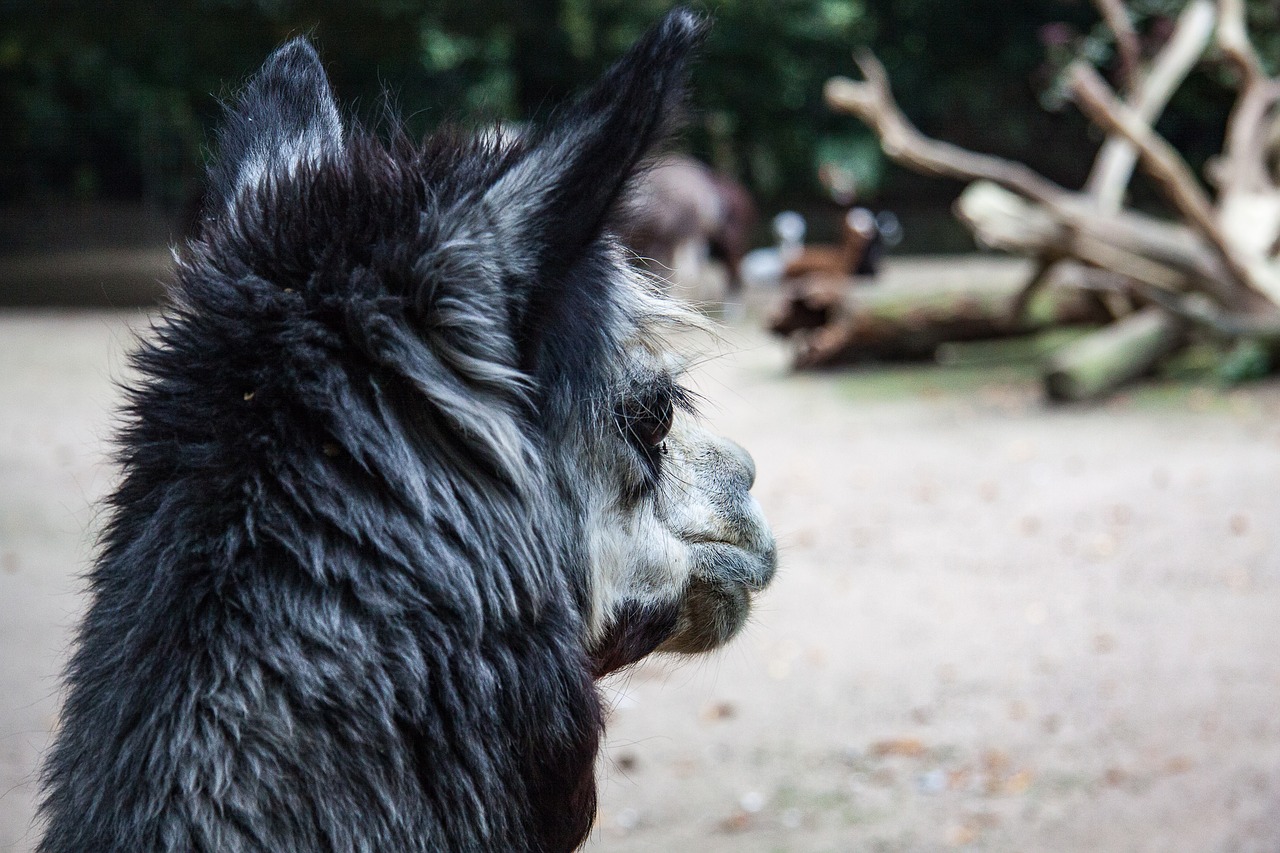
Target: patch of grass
1024 353
891 382
1180 394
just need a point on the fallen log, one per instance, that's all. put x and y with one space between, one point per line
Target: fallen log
833 321
1099 363
1163 254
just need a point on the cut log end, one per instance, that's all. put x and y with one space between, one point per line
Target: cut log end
1102 361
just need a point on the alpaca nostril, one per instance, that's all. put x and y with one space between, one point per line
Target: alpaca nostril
744 459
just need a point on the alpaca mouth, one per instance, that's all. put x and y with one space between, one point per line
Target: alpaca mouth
736 563
725 575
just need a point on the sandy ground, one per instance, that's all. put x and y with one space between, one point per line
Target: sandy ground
996 627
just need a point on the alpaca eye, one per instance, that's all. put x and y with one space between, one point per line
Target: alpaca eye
650 424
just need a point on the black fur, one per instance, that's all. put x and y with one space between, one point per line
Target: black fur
636 631
338 605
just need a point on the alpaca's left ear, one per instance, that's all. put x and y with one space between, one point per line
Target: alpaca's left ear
551 204
286 116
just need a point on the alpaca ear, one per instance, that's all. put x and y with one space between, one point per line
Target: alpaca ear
553 202
285 116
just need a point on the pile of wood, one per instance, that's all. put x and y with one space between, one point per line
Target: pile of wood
1152 284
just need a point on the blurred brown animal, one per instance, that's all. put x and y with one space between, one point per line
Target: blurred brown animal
852 256
680 202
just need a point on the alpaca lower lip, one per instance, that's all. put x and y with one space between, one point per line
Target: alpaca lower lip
735 565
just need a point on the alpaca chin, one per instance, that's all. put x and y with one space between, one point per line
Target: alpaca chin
712 614
725 578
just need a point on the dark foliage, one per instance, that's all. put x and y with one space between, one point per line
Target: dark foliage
99 104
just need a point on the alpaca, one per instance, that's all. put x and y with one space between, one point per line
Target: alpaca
680 204
407 468
858 252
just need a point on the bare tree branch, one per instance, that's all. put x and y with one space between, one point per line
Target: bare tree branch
1039 277
871 100
1164 254
1242 169
1041 219
1115 290
1101 240
1169 171
1207 315
1233 41
1129 51
1147 93
1148 96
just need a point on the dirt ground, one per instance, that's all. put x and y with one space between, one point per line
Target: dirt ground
995 627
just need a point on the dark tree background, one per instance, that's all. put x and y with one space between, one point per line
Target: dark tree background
115 99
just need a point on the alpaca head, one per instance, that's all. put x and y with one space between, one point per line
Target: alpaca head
502 250
678 545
